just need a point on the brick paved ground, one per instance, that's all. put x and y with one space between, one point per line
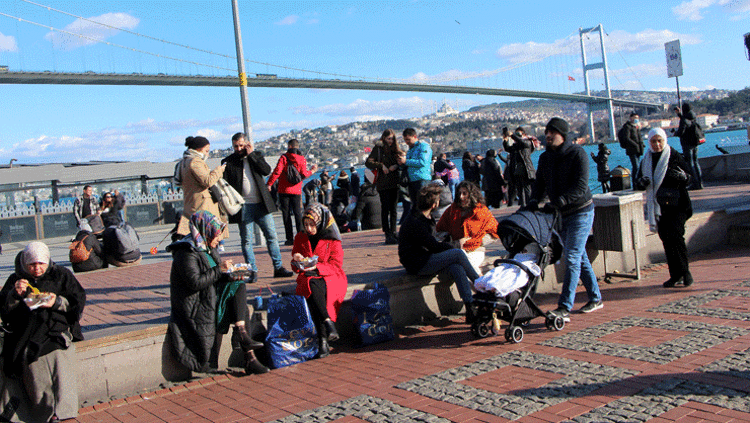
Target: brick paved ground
652 354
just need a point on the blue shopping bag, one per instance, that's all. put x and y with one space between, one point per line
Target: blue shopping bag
372 315
291 335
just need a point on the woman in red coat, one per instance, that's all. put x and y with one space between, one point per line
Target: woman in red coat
324 283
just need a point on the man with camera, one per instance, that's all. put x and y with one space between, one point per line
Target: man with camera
245 172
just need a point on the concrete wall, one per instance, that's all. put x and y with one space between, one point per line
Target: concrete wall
726 167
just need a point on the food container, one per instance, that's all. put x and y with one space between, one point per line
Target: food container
307 263
240 270
34 301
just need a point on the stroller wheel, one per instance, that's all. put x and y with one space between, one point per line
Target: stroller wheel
558 323
483 330
517 334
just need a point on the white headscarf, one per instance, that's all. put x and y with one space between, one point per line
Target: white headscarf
35 252
653 210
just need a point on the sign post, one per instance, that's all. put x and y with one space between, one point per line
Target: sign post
674 64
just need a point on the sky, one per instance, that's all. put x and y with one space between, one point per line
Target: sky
498 44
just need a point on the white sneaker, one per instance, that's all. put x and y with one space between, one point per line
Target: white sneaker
221 248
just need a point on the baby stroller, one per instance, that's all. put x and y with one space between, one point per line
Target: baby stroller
522 229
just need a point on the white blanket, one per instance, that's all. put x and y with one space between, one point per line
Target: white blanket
505 278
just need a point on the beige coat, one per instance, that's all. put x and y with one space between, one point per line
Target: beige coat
196 179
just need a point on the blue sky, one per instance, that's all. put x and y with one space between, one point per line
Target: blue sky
502 44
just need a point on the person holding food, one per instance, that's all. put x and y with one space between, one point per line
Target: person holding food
40 306
205 299
323 281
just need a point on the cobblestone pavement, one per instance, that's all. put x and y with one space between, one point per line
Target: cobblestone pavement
650 355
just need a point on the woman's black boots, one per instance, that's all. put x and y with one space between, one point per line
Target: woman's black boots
242 339
333 335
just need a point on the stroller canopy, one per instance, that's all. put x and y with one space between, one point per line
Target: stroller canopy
524 227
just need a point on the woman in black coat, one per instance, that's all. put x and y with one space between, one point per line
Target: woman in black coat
38 351
664 175
492 180
205 300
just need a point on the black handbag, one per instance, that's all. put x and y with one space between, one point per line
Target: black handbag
667 196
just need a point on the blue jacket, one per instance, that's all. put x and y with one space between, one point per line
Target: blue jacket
418 162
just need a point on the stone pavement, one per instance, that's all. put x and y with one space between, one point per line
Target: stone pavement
651 354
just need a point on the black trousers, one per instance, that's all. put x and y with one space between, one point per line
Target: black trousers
291 204
237 306
519 185
671 228
388 209
316 302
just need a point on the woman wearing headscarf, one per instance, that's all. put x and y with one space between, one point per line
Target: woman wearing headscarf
196 179
205 300
664 175
467 220
41 305
324 284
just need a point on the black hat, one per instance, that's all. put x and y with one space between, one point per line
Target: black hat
558 125
196 142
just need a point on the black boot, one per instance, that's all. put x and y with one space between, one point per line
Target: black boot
333 335
241 338
213 358
671 282
323 350
253 366
687 279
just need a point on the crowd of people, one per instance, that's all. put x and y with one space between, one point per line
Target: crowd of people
444 228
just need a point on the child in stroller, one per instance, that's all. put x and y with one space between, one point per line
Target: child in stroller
505 292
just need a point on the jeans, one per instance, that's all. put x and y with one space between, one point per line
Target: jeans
457 263
575 233
691 157
291 204
452 184
414 187
634 164
253 214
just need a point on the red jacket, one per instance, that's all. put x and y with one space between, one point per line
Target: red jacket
330 262
279 173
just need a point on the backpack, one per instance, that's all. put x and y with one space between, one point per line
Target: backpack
694 135
78 252
292 174
121 239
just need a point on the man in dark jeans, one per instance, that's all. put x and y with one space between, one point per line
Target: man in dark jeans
290 196
418 162
245 172
631 140
563 175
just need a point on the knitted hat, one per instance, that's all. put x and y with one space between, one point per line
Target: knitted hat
196 143
558 125
35 252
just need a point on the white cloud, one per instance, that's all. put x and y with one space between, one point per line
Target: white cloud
618 40
447 76
690 88
691 10
289 20
8 43
91 30
364 110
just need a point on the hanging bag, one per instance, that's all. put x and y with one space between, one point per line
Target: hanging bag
78 251
292 337
292 174
227 197
372 314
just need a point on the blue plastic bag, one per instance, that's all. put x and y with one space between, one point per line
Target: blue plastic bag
292 337
372 315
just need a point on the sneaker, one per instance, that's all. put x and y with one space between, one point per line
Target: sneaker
289 242
221 248
282 273
592 306
562 312
672 282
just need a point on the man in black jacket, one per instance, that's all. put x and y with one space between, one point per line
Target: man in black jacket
245 170
630 139
563 174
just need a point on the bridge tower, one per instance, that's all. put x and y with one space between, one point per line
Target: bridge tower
607 104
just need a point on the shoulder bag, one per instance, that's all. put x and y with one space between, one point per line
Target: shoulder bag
227 197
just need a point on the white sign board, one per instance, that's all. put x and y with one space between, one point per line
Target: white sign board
674 58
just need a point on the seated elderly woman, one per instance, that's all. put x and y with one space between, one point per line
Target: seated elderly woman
323 283
467 221
421 253
205 300
40 305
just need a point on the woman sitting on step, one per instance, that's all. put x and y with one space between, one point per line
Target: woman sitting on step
205 300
